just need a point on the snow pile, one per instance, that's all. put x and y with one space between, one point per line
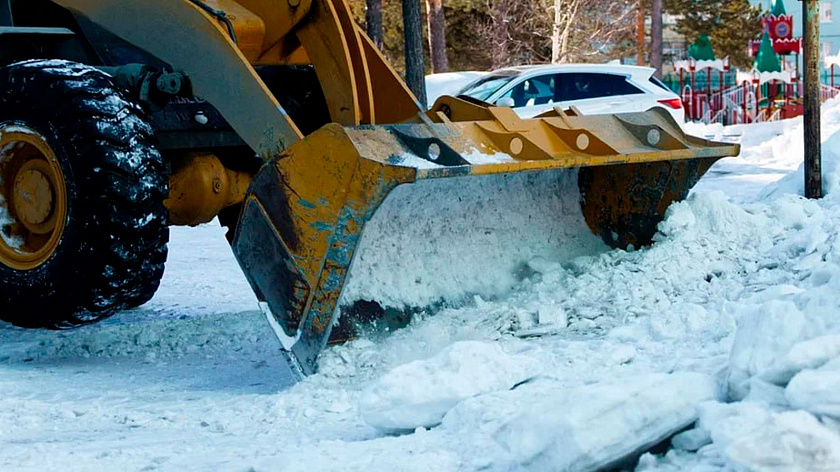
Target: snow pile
449 239
783 372
794 183
770 151
732 318
759 278
448 83
595 426
420 393
749 437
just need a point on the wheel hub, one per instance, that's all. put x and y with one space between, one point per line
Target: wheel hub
33 197
33 200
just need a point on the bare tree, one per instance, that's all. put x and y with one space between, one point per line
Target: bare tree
373 22
415 74
640 32
566 19
501 35
656 46
556 31
515 32
436 20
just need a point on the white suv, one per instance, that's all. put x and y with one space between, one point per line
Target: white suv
592 88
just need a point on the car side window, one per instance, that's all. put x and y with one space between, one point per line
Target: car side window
532 92
581 86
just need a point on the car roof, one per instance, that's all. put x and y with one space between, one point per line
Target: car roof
637 71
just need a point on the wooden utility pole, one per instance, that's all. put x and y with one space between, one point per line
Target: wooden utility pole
373 22
436 18
656 37
415 64
811 59
640 33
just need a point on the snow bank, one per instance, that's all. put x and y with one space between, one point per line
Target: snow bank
794 183
784 364
420 393
779 338
448 83
770 152
595 426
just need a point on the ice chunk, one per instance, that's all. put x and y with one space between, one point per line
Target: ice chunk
792 441
691 440
817 391
808 354
420 393
728 422
765 392
598 425
763 334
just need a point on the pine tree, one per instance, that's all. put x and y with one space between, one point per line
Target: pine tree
436 20
415 58
731 24
656 36
373 21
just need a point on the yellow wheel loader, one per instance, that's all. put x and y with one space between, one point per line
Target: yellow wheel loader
344 198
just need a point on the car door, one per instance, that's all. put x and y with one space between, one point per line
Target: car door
530 96
596 93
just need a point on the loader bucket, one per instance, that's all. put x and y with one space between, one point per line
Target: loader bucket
558 187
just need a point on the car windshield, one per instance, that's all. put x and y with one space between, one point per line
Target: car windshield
485 87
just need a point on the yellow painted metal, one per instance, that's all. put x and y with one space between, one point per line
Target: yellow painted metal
559 139
340 170
250 28
280 18
34 197
306 210
358 60
184 35
392 100
328 45
551 142
318 195
320 32
341 177
200 187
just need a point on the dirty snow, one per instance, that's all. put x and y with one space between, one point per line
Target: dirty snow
727 328
6 221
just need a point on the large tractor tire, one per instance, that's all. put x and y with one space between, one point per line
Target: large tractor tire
83 228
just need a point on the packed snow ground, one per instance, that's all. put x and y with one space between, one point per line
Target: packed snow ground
727 331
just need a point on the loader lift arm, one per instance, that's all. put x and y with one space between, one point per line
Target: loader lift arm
307 207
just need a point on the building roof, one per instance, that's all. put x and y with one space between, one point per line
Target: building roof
702 49
767 60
